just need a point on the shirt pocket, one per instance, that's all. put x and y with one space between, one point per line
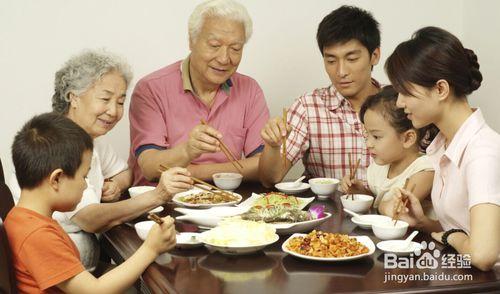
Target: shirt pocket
235 140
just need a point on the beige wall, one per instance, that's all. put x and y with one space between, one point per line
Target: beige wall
38 36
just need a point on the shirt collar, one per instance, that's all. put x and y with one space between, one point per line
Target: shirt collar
462 138
186 79
333 104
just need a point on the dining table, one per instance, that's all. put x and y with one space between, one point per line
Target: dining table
271 270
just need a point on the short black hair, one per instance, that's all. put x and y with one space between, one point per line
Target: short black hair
384 102
347 23
45 143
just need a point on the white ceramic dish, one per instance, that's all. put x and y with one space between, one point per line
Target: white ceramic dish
386 230
142 228
365 240
361 202
188 240
219 211
137 190
303 202
227 181
368 219
158 209
237 250
286 187
324 186
177 199
299 227
395 246
208 221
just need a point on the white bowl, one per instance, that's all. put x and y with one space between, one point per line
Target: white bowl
142 228
134 191
324 186
187 240
227 181
367 220
287 188
386 230
361 202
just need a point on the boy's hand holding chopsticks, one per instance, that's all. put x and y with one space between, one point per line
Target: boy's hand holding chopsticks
161 237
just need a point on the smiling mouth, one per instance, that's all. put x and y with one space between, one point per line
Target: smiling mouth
219 70
107 123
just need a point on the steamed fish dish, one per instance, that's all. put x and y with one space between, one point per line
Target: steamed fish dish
277 199
277 214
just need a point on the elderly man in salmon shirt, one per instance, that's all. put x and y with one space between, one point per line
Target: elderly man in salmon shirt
168 105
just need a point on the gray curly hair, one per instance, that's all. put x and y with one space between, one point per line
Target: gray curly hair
81 72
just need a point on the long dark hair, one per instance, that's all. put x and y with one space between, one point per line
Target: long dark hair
430 55
384 103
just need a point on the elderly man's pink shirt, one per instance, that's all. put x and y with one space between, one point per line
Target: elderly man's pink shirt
467 173
162 113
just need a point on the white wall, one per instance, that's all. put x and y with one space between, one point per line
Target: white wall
36 37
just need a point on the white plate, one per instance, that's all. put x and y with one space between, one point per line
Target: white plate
283 188
237 250
208 221
368 219
391 246
186 240
251 200
219 211
158 209
298 227
365 240
177 200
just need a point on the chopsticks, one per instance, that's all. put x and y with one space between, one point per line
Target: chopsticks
352 171
154 217
164 168
402 202
227 152
283 146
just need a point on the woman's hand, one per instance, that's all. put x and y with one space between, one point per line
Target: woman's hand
412 213
274 131
111 191
173 181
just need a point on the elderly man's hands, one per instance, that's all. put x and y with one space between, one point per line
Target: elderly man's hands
202 139
274 131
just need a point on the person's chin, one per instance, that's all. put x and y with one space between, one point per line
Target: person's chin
378 161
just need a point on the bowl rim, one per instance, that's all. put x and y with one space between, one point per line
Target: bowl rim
311 181
384 226
369 198
238 176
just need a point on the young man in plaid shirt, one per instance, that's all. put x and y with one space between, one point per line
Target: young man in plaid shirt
323 125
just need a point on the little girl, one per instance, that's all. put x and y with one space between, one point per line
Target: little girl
396 147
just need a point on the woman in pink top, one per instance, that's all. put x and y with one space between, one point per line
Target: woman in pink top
433 74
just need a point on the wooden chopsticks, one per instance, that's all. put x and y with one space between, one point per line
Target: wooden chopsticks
227 152
402 202
352 171
154 217
164 168
283 146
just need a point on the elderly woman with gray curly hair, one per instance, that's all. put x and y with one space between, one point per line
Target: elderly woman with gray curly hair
90 89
